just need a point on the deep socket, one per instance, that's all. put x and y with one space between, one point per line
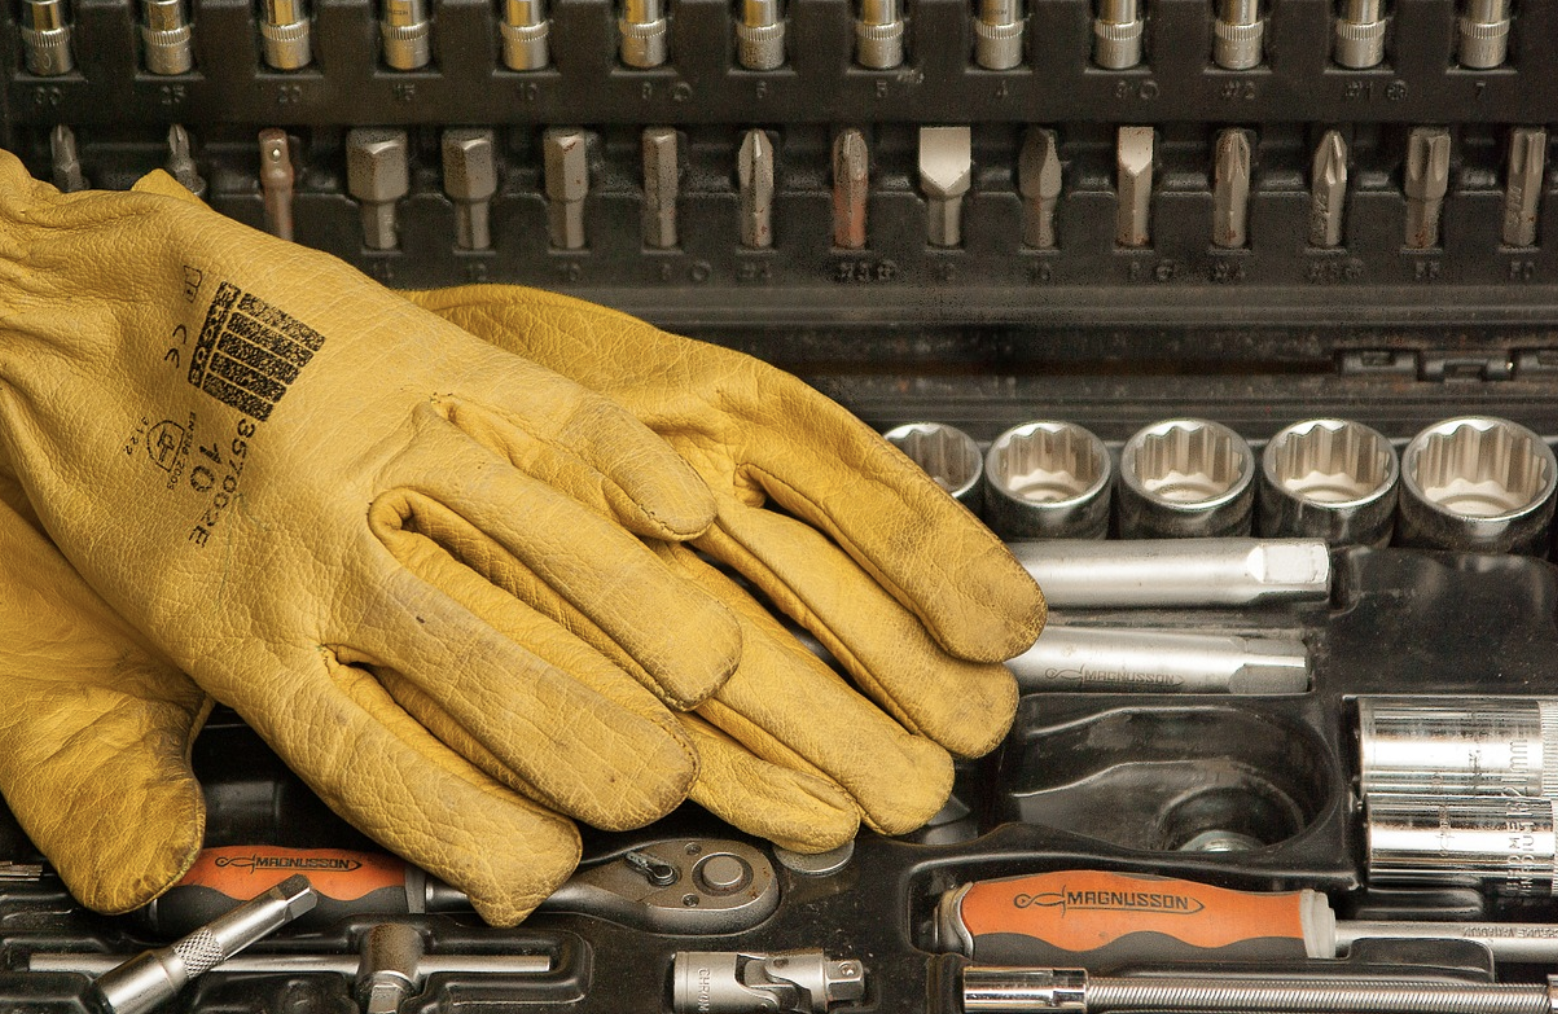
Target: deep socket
1458 746
1048 480
1330 479
1504 844
949 456
1184 478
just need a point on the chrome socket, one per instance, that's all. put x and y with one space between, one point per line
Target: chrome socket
166 37
407 33
526 35
949 456
998 33
760 34
879 34
1458 746
645 33
1477 484
1329 479
1117 32
1239 35
1360 34
1048 480
1186 478
46 38
286 35
1484 34
1506 844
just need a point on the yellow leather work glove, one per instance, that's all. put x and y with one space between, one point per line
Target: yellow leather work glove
267 463
917 600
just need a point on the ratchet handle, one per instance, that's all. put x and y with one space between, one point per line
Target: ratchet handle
1098 920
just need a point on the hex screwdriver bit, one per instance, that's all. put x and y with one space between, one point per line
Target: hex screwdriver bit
1231 190
755 180
378 175
526 35
565 155
760 34
68 176
470 180
1523 188
1328 191
181 162
1133 185
1117 32
1426 181
276 181
946 173
1039 182
851 187
1360 34
662 185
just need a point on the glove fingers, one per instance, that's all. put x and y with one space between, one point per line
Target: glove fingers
573 565
964 706
797 810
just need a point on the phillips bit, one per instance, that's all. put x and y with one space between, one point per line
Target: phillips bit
755 176
285 34
1427 179
946 172
644 30
760 35
378 175
1360 34
166 37
879 34
1484 34
276 180
1117 34
1239 32
68 177
1039 181
46 37
1328 191
181 162
470 180
526 35
1133 186
851 187
1523 190
567 165
662 184
407 33
1231 190
998 34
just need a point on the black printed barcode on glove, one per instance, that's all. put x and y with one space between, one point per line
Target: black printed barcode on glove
249 352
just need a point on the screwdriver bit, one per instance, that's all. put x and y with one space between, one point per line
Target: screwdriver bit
181 162
760 35
1039 181
662 184
470 180
276 180
1523 190
407 32
1231 190
567 165
285 34
526 35
851 188
166 36
644 29
1133 186
946 172
1117 34
879 34
68 177
46 38
1239 33
1484 34
1360 34
755 177
1427 180
998 34
1328 191
378 175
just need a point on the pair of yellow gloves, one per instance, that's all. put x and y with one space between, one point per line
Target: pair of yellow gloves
439 550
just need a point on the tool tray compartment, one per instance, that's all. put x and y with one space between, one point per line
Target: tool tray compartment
984 335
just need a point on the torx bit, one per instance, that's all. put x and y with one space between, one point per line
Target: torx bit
662 184
276 180
1484 34
1240 33
1039 181
879 34
526 34
68 177
285 33
407 32
181 162
1360 34
1231 190
851 188
998 34
1117 32
567 165
470 180
46 38
165 36
378 175
1133 186
1427 180
755 180
946 172
760 35
1328 191
644 30
1523 189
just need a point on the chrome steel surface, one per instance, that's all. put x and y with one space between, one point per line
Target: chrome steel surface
1477 484
784 982
1117 32
1135 660
1048 479
1504 844
1330 479
1458 746
1185 478
949 456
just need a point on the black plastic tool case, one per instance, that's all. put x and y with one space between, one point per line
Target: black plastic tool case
983 336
